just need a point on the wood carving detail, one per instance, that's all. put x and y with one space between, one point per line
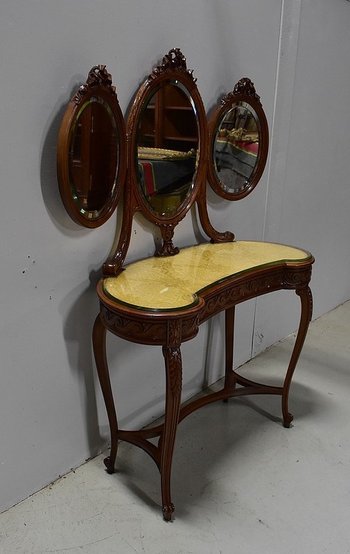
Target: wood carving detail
168 510
151 332
226 236
287 279
147 332
296 279
167 248
246 86
174 368
174 333
237 293
98 76
307 289
113 265
174 60
189 328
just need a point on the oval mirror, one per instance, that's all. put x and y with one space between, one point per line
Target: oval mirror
91 151
239 142
167 148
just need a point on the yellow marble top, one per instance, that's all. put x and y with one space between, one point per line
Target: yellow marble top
172 282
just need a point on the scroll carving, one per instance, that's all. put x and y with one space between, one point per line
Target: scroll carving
296 279
189 328
174 60
244 87
167 248
151 332
98 76
255 287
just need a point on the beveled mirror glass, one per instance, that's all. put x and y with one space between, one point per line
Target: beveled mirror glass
236 148
239 139
93 157
167 148
91 151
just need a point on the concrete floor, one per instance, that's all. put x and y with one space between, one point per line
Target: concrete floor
241 482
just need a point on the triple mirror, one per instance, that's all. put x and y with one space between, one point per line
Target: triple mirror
164 154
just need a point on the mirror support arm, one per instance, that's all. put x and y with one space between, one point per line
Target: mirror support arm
213 234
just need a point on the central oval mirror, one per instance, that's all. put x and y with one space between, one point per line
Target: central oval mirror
167 148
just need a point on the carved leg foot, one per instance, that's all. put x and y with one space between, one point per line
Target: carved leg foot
173 367
109 465
109 462
305 318
287 420
99 346
168 511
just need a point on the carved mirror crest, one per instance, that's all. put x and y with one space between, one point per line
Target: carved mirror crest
238 142
91 155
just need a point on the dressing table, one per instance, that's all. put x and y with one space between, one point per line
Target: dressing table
160 161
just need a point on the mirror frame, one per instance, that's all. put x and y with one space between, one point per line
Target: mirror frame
98 84
172 68
244 91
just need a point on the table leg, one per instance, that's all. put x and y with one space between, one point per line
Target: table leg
173 368
230 379
99 346
305 318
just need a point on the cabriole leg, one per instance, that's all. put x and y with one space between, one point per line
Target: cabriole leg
173 368
99 346
230 379
305 318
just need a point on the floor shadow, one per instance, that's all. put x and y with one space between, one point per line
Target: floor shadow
80 306
79 310
48 165
206 439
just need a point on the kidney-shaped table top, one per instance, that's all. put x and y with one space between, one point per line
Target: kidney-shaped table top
168 283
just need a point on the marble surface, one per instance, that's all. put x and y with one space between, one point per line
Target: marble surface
172 282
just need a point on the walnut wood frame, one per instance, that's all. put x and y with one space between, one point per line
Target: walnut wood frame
170 329
172 68
98 84
244 91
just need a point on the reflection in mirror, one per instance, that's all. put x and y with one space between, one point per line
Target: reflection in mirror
236 147
91 151
93 157
167 148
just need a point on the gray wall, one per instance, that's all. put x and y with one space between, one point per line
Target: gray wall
309 181
297 53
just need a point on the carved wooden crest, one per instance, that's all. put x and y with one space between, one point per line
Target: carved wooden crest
174 60
244 87
98 76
